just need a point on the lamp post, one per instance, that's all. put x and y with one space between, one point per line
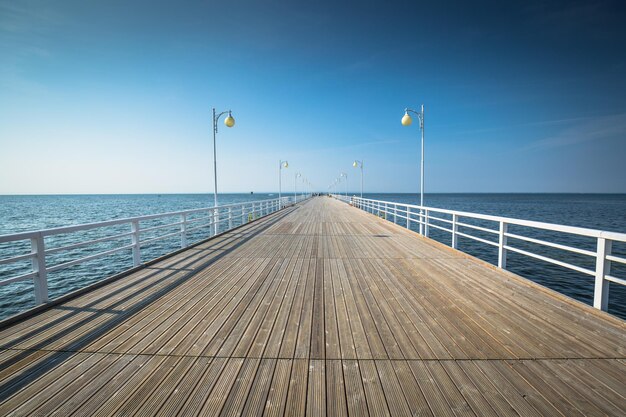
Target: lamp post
358 164
295 187
229 122
305 187
406 121
280 168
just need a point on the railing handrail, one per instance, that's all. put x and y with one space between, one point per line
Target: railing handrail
423 217
86 226
583 231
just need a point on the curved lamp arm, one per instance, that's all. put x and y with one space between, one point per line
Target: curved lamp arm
216 118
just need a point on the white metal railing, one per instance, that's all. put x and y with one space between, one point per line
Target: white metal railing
457 223
214 219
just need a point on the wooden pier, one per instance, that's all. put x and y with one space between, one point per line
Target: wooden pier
319 309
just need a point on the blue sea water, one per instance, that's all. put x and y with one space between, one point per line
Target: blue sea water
596 211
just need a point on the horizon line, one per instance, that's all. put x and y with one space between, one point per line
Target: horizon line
288 193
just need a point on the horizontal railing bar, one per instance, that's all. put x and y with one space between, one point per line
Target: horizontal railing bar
439 219
89 242
615 279
550 260
191 229
88 258
154 239
477 238
197 219
439 227
399 210
18 236
399 216
17 258
550 244
163 226
482 229
24 277
614 258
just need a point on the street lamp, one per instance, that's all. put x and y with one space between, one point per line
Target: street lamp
280 168
358 164
295 187
229 122
406 121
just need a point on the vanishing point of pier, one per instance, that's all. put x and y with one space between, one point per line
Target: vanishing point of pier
317 309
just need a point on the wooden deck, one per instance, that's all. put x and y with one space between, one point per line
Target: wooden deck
319 309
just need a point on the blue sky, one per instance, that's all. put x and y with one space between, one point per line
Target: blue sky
117 97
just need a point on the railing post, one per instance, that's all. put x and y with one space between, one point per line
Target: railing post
426 228
230 218
603 268
39 265
134 227
183 230
216 220
408 217
395 213
421 220
502 241
455 228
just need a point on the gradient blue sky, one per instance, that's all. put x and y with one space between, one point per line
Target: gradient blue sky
116 97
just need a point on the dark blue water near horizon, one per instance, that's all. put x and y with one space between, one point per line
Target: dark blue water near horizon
595 211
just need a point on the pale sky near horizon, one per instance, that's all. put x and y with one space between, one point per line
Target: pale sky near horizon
116 96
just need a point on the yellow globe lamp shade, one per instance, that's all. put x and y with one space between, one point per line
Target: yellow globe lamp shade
354 164
406 120
286 164
229 121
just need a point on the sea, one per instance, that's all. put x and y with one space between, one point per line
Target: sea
595 211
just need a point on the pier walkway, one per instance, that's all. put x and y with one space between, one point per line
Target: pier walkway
318 309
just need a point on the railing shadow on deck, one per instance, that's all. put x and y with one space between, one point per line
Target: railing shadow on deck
38 369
